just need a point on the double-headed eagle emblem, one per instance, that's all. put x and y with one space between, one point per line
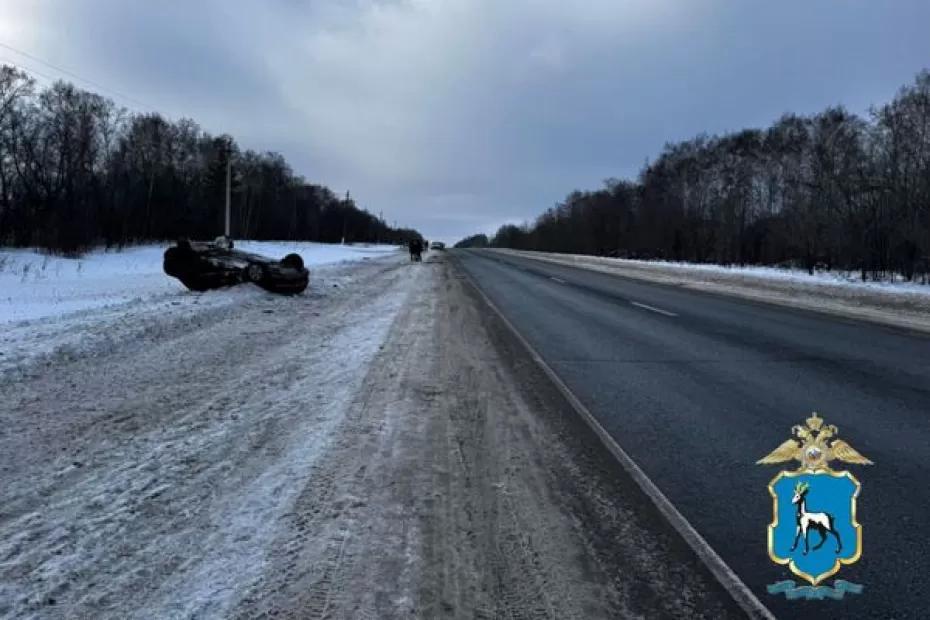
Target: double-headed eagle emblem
814 445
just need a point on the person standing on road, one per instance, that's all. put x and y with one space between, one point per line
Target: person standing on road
416 248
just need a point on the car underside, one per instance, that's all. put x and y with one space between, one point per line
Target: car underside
202 266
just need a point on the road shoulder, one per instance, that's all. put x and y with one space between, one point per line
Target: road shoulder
464 486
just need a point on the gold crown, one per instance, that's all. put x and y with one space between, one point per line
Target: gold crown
814 422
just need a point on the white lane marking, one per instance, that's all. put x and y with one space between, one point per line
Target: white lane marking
559 280
653 309
740 592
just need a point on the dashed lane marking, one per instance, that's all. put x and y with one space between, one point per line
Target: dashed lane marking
653 309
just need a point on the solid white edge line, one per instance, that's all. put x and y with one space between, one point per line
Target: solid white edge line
740 592
653 309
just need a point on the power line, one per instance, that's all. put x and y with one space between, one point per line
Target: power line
74 76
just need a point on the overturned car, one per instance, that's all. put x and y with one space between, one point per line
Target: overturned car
202 265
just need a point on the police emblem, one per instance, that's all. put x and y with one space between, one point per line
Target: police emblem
814 529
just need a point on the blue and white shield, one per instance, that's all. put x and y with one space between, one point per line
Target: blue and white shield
814 529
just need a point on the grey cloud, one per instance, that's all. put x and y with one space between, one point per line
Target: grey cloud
458 116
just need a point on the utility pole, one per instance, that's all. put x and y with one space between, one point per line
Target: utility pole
345 211
228 184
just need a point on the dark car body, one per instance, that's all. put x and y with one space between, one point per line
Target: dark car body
202 265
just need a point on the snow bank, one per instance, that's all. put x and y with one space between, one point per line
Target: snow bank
796 276
34 285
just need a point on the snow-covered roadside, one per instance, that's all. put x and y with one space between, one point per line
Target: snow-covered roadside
149 482
901 304
55 308
35 286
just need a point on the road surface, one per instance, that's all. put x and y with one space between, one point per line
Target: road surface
697 387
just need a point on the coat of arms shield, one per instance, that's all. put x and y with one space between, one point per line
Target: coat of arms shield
814 529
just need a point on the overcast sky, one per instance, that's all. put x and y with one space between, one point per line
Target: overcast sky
457 116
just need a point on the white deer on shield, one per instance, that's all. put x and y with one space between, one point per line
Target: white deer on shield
820 521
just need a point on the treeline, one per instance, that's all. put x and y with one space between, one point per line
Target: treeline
78 171
832 190
475 241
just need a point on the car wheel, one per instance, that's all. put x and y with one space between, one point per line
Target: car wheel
293 261
255 273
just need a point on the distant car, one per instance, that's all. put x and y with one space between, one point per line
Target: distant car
201 266
437 245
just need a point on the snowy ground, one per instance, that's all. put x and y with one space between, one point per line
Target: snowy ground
902 304
59 308
194 434
34 285
368 449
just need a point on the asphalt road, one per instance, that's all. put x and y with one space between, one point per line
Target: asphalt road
697 387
